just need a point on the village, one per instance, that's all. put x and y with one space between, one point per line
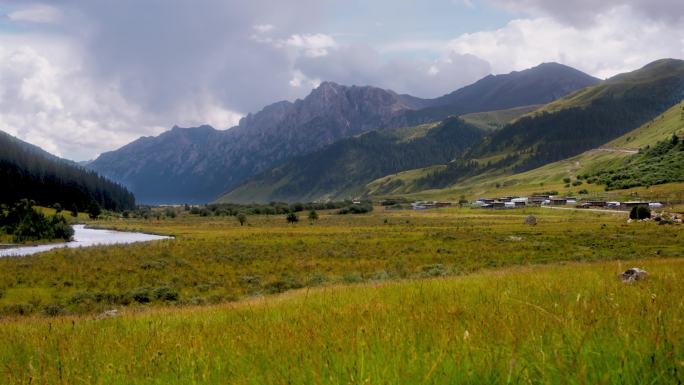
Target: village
513 202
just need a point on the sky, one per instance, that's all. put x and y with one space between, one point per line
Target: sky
80 77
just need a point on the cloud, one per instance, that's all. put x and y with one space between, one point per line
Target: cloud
363 65
80 77
585 12
619 41
313 45
105 73
263 28
36 14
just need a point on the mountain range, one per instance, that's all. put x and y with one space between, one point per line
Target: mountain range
199 164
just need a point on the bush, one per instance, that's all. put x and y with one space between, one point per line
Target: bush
242 218
24 223
166 293
292 218
356 209
17 309
141 295
54 309
640 212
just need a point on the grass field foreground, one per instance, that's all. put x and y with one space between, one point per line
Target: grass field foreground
561 324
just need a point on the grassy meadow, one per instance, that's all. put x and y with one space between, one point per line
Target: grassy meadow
392 297
214 259
572 323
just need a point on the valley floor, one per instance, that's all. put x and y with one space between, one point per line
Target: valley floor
484 299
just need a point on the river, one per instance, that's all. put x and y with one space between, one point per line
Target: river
84 237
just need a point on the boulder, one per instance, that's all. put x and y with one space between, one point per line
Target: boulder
633 274
108 314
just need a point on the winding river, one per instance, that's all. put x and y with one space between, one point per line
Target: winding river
84 237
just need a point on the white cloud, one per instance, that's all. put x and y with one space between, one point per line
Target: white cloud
263 28
36 14
619 41
363 65
312 45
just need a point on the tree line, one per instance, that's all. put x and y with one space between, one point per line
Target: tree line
28 172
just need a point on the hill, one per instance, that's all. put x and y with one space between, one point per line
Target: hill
614 155
185 166
340 170
538 85
579 122
27 171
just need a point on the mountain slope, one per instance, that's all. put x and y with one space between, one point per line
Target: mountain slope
180 166
197 164
26 171
581 121
341 169
613 155
538 85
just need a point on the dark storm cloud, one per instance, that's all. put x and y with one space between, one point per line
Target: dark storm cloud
163 51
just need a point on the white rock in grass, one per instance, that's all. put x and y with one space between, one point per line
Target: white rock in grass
633 274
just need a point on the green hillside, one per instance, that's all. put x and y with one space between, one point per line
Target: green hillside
611 155
343 168
629 103
494 120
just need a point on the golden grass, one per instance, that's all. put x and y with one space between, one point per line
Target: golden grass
570 323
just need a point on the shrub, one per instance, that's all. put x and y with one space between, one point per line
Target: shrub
356 209
292 217
141 295
242 218
17 309
54 309
94 210
165 293
640 212
284 284
24 223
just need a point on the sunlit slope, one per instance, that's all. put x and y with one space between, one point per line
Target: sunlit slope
550 176
494 120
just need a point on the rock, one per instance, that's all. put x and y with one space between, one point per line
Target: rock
108 314
531 220
633 274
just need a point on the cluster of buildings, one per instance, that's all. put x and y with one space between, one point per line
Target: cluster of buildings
548 200
423 205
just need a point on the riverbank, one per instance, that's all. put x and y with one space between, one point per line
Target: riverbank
84 236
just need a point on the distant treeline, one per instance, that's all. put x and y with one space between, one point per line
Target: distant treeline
28 172
278 208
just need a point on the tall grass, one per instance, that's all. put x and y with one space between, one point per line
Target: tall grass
569 324
215 259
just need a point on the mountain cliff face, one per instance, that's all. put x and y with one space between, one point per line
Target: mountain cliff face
198 164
